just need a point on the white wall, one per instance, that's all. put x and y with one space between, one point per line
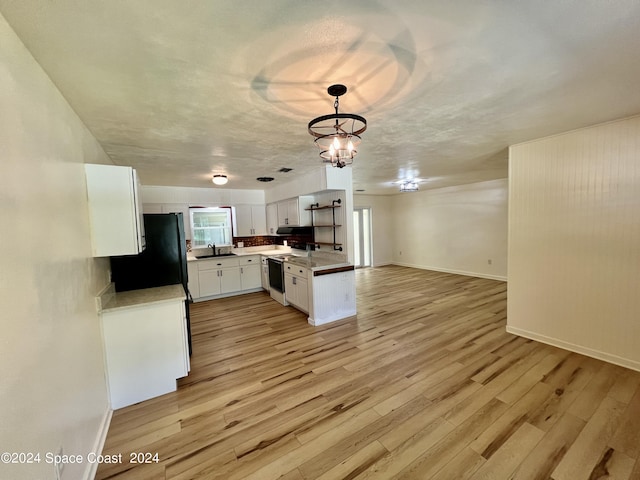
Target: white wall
52 387
381 226
454 229
574 241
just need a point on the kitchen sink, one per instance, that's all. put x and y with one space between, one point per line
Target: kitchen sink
215 256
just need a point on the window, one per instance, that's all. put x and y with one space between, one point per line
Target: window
210 226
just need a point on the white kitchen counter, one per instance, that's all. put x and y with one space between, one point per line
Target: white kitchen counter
112 300
267 250
317 264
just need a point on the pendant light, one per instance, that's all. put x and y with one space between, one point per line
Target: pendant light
338 134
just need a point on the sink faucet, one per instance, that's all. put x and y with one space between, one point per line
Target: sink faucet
213 246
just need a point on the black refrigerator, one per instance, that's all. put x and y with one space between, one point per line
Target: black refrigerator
163 261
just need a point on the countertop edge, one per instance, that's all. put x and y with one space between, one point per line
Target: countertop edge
145 296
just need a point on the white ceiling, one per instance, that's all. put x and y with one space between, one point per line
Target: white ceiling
185 89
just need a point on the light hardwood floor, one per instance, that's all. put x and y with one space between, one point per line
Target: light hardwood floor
424 384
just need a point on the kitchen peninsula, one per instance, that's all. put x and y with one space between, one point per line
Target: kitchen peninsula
321 285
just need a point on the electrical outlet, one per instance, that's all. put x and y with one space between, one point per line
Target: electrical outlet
489 261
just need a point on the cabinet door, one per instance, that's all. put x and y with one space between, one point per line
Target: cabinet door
283 213
292 212
209 282
230 280
290 288
272 218
194 284
250 276
144 350
265 277
259 219
115 210
244 224
302 293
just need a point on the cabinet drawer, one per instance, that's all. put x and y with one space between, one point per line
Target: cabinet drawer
216 263
250 260
296 270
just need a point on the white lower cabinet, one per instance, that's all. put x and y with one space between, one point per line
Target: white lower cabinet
219 281
250 274
146 350
224 276
194 283
265 277
296 286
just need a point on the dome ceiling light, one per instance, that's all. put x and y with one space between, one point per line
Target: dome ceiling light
337 134
220 179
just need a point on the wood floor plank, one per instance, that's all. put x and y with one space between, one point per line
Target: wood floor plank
393 463
586 453
420 385
598 387
492 439
462 466
627 437
545 456
506 460
432 460
306 452
357 463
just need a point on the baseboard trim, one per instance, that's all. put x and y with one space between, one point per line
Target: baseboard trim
455 272
92 468
572 347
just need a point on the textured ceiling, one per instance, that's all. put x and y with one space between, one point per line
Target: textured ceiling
185 89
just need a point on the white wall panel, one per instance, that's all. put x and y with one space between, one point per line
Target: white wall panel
574 241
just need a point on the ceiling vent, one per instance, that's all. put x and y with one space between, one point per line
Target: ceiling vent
265 179
285 170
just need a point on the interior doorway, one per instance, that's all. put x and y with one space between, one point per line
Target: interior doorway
362 237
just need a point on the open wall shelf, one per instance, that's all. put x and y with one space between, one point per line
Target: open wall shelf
333 225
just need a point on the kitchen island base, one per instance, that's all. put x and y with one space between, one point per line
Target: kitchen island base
333 295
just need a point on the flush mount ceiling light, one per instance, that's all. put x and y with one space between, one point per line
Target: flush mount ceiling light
220 179
409 186
337 134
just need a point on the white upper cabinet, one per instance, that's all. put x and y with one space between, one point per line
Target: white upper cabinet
171 208
115 210
292 212
250 220
272 218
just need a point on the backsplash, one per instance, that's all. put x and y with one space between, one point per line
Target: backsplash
256 241
296 241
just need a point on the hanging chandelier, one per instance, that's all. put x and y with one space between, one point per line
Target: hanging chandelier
338 134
